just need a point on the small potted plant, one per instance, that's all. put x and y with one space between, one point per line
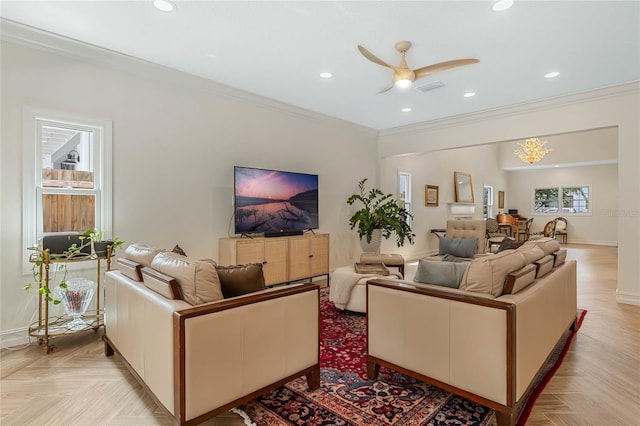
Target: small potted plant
40 257
379 211
99 244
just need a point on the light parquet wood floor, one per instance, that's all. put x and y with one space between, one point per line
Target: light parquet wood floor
598 383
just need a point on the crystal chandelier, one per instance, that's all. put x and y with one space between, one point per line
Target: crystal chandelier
532 150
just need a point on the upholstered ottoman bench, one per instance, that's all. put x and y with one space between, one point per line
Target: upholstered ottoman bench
395 260
348 288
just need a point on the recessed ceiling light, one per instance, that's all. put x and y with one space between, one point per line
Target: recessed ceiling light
501 5
406 109
164 5
469 94
326 75
552 74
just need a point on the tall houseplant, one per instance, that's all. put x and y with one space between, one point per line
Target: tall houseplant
379 211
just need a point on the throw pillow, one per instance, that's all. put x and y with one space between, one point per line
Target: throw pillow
237 280
508 244
446 274
452 258
198 279
178 249
460 247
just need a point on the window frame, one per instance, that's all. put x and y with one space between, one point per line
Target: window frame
489 204
406 202
32 189
560 200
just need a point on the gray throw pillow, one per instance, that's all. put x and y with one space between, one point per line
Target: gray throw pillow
459 247
446 274
452 258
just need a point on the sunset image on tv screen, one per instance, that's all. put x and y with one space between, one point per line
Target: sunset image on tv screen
272 200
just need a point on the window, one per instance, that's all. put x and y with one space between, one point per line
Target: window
67 175
573 199
404 192
487 201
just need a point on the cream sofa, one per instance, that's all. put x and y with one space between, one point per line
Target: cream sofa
485 340
200 359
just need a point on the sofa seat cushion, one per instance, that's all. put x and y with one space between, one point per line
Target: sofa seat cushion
198 279
237 280
141 253
447 274
487 274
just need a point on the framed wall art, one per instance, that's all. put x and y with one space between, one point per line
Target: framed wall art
431 195
501 199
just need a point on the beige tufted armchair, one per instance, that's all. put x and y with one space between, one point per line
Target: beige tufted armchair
468 229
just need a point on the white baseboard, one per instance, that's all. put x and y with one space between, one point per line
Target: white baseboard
12 339
627 298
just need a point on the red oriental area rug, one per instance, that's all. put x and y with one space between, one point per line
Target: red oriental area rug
346 398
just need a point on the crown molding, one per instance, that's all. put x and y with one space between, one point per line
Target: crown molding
517 109
36 38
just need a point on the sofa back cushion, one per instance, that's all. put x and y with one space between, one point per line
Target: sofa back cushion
487 274
531 253
237 280
547 244
141 253
198 279
447 274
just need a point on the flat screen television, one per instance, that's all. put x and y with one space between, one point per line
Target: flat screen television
274 201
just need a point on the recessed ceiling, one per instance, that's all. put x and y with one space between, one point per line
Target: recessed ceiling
277 49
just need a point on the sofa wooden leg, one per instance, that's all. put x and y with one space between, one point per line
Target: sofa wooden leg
108 350
313 378
373 370
505 419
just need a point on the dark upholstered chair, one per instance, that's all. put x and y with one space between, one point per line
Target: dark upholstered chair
561 228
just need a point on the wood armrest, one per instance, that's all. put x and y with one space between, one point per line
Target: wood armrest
442 294
247 299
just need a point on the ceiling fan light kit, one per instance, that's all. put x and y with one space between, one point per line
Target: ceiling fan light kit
403 76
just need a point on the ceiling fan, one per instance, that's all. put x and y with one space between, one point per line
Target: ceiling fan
404 76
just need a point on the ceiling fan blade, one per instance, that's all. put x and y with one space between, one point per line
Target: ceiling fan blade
373 58
386 89
443 66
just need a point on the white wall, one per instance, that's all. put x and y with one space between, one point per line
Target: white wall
595 146
617 106
176 139
436 168
599 227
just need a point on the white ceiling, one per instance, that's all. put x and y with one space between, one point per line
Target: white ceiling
276 49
